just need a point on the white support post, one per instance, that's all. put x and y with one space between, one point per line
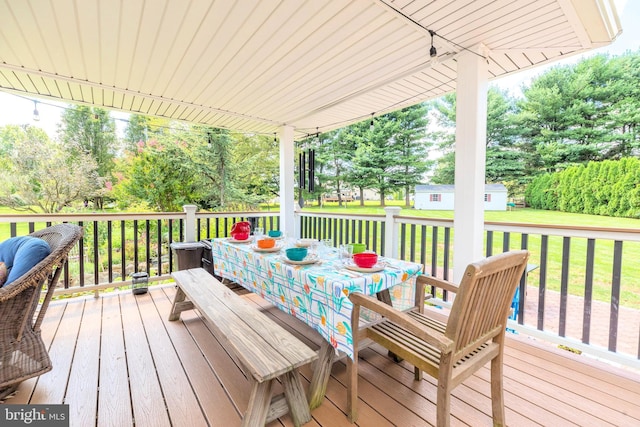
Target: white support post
391 232
190 223
287 183
470 152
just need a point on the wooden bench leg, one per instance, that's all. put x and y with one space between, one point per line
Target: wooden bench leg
259 403
179 305
296 400
321 374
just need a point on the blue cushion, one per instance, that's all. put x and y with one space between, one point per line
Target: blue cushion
20 254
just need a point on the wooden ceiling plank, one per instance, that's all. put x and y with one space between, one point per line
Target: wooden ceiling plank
353 76
88 25
212 36
14 81
108 24
16 46
75 92
4 81
271 50
136 103
66 24
126 36
514 25
118 100
496 17
154 19
40 85
504 62
179 22
226 68
307 47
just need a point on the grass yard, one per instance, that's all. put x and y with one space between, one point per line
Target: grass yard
603 259
630 279
525 215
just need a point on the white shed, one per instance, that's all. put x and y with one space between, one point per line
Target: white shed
440 197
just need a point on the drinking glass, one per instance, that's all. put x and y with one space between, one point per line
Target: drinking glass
258 232
346 252
327 245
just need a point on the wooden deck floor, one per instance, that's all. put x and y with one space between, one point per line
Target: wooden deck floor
118 361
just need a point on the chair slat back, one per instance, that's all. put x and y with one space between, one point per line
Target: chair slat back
481 306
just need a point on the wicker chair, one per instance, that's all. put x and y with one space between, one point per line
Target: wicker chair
452 351
23 354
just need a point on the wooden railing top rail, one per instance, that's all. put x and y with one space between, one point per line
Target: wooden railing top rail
610 233
75 217
236 214
343 216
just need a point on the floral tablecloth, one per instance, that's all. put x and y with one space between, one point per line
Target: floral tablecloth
316 293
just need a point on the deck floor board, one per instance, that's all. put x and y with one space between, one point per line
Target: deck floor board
119 361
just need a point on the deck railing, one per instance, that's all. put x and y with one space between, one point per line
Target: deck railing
580 291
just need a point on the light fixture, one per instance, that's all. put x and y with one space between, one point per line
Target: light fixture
371 124
36 114
432 52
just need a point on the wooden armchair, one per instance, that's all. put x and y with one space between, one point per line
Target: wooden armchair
451 352
22 352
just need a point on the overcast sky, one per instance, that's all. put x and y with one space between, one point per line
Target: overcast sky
19 110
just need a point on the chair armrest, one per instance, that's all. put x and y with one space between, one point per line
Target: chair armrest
438 283
434 338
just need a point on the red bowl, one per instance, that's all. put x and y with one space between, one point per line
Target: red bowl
365 259
240 236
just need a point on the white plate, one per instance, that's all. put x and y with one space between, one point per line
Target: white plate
307 260
375 268
305 243
232 240
276 248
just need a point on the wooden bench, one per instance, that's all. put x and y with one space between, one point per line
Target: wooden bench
262 348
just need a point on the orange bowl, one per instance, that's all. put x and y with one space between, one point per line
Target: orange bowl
365 259
267 243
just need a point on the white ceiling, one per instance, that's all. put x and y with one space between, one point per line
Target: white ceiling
258 65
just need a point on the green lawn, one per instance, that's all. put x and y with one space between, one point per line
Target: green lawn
603 262
630 292
525 215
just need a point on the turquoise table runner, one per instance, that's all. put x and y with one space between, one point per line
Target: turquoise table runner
315 293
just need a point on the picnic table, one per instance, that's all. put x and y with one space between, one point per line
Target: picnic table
316 293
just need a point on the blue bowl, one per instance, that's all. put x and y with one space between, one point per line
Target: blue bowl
275 233
296 254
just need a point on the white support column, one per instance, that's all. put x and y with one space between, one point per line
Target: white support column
391 238
287 182
470 146
190 223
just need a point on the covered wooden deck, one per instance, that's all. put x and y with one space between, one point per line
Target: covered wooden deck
118 361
